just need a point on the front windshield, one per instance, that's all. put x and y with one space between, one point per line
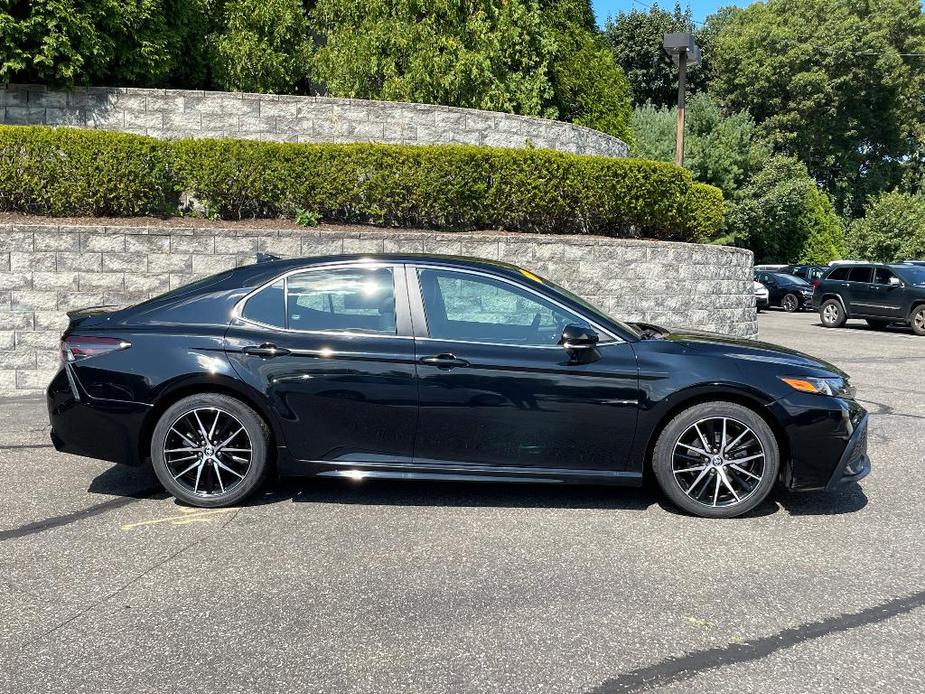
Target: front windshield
790 279
591 310
912 274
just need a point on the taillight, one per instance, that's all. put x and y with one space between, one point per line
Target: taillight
815 283
77 347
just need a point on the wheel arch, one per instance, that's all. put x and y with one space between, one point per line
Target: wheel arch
738 396
197 386
833 295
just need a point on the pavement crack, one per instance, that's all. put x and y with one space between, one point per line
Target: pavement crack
683 667
128 584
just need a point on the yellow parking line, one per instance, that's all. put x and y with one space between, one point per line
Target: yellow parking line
187 515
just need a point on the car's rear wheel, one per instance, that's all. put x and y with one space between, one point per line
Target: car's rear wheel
790 303
716 460
210 450
918 320
877 324
832 314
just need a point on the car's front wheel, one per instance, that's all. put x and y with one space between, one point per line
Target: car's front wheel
210 450
832 314
918 320
716 460
790 303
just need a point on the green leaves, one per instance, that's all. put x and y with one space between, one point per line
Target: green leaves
84 172
893 229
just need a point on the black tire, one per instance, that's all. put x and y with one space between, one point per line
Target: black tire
877 324
918 320
236 413
663 459
832 314
790 303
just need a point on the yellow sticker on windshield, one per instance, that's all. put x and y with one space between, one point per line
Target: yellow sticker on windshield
530 275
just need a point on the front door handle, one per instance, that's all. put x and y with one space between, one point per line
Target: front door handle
444 361
267 349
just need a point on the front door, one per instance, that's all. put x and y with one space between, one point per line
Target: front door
496 390
883 297
332 350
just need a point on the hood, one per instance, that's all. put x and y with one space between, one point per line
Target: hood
743 349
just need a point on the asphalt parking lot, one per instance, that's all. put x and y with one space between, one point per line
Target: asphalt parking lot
110 586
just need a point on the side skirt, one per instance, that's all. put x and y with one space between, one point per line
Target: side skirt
456 472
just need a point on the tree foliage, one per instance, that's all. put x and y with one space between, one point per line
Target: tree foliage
719 149
783 217
827 82
893 229
588 87
263 46
636 40
103 42
474 53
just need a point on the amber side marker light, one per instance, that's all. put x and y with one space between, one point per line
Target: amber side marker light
800 384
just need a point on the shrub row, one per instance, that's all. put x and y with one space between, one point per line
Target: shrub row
63 171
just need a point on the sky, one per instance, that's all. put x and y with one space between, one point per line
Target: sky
700 8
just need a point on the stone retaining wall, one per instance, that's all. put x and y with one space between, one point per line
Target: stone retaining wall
46 270
184 113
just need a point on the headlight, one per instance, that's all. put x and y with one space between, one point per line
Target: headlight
836 387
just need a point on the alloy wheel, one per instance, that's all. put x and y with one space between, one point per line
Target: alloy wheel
207 451
918 321
790 303
718 462
830 314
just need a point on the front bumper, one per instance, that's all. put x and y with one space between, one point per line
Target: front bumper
854 464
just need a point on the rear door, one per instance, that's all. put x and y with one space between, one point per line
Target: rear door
331 348
497 390
859 293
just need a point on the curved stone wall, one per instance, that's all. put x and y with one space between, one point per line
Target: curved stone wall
48 269
183 113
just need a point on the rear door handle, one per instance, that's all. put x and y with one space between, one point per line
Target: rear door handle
267 349
444 361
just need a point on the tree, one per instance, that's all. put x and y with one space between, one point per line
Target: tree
264 46
636 39
123 42
719 149
827 82
783 217
588 87
893 229
472 53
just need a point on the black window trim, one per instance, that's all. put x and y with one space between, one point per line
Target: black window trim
419 314
403 330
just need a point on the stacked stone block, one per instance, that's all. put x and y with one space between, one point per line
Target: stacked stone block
171 113
46 270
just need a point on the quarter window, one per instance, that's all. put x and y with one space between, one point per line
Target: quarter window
474 308
339 300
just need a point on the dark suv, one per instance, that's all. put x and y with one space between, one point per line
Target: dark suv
880 294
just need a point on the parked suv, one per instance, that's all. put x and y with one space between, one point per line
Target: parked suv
789 292
878 293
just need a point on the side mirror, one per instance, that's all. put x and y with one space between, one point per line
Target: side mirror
578 338
894 281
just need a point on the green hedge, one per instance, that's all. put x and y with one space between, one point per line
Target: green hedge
81 172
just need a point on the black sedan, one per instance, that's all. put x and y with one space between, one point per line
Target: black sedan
430 367
789 292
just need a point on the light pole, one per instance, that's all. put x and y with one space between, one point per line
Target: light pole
683 51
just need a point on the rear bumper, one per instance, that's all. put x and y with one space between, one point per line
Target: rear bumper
103 429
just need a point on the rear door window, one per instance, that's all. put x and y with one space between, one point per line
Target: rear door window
839 273
860 274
